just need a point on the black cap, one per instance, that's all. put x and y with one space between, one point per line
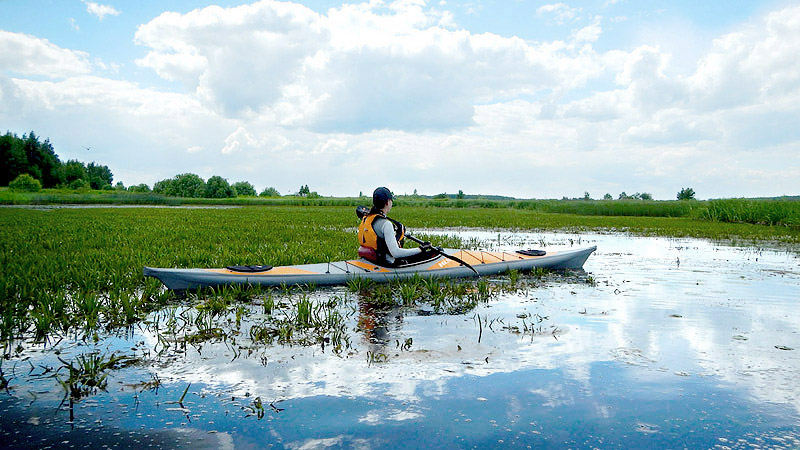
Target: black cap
381 197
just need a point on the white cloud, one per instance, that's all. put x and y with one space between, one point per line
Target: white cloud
29 55
559 13
101 11
360 67
589 33
238 140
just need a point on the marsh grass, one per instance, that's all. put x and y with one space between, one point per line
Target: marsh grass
88 373
81 269
763 212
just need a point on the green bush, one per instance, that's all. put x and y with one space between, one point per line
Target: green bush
25 183
244 189
79 185
270 192
218 187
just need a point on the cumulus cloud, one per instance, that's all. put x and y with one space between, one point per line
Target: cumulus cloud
238 140
589 33
100 11
28 55
360 67
559 13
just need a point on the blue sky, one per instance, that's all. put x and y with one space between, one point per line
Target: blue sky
531 99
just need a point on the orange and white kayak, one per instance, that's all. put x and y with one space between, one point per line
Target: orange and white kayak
340 272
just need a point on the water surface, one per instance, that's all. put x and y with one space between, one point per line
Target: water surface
666 343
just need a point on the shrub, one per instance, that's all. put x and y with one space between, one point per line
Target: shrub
139 188
218 187
79 185
244 189
183 185
25 183
270 192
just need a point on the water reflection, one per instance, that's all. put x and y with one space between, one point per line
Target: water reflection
664 342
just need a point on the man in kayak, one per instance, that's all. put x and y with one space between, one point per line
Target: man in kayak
381 238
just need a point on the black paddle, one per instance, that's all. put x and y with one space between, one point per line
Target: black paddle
362 211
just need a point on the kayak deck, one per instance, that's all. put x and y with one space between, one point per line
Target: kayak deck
340 272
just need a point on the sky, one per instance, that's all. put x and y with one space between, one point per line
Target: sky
530 99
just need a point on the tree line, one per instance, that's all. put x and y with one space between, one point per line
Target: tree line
29 164
28 155
192 185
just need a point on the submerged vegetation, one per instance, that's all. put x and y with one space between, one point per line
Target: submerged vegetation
65 270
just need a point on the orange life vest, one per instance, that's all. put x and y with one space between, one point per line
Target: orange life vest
369 239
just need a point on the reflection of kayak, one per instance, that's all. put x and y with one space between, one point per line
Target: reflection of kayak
339 272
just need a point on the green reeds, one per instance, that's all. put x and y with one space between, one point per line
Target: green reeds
763 212
81 269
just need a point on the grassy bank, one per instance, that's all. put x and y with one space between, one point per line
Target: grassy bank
783 212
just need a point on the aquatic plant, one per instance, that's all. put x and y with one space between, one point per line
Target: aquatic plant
87 373
89 261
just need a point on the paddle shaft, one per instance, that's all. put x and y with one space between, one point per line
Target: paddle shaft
441 252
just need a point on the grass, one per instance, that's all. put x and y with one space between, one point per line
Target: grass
784 211
764 212
81 269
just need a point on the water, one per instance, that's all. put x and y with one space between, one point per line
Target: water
676 343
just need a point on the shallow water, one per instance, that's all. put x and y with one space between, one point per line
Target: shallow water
676 343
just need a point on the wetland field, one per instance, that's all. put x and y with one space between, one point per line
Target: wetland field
681 332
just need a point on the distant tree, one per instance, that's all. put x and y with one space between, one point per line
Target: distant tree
139 188
646 196
43 163
623 196
25 183
73 170
269 192
313 194
79 185
244 189
460 194
442 196
167 187
686 194
218 187
608 196
415 192
304 191
586 195
188 185
99 176
13 161
119 186
28 155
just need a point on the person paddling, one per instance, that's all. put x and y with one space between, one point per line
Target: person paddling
380 238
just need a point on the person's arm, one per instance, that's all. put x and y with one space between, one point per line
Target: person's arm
391 243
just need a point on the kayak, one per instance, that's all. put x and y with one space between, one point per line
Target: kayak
451 265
